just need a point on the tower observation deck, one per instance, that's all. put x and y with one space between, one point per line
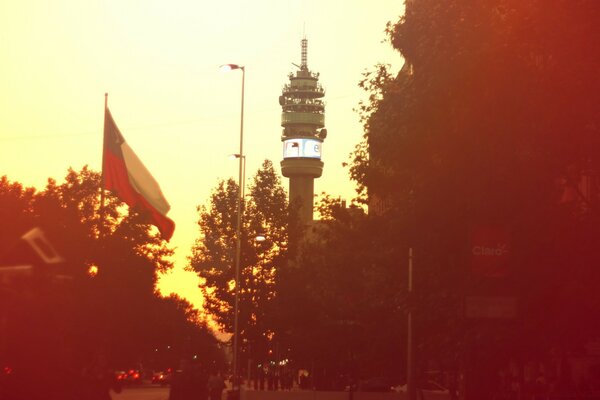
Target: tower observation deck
303 122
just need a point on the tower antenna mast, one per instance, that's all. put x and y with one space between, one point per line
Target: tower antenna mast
304 62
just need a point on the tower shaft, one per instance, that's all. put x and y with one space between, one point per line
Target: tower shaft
302 189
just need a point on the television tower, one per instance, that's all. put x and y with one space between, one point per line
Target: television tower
303 121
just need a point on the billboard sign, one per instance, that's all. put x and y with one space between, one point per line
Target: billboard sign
302 147
490 250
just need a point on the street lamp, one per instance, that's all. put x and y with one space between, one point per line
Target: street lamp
238 233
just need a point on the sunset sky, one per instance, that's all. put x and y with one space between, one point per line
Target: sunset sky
159 62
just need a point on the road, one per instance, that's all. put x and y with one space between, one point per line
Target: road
142 393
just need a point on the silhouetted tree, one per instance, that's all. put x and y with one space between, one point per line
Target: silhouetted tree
54 326
16 212
127 253
342 299
265 211
493 119
179 333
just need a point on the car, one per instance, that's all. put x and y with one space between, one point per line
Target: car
376 384
157 377
429 389
161 378
133 377
120 376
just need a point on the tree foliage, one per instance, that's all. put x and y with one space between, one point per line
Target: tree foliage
265 211
179 333
342 298
493 119
56 325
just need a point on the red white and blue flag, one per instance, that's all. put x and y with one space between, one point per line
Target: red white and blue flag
125 175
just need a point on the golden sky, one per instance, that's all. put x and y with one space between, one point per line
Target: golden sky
159 61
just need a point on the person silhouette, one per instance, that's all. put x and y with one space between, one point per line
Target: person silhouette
216 384
98 379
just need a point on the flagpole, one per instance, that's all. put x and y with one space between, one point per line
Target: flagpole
102 197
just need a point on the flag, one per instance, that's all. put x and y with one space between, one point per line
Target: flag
125 175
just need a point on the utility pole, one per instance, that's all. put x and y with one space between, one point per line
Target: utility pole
410 374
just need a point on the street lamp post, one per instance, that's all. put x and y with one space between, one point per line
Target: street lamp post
243 173
238 233
259 238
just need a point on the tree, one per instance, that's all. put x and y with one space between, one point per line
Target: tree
179 333
113 306
16 212
492 120
54 327
265 211
342 298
